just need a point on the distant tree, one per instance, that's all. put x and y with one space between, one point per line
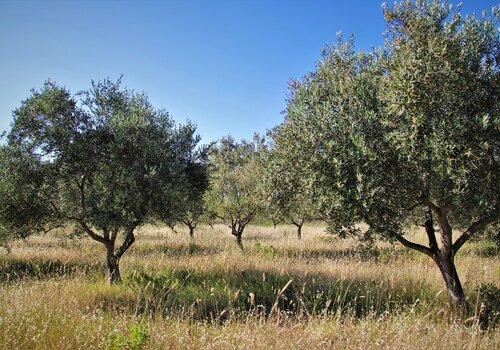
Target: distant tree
192 200
288 196
273 213
235 195
107 162
409 131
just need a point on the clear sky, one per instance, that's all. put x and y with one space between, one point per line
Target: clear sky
223 64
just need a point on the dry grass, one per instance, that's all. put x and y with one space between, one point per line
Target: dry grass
53 294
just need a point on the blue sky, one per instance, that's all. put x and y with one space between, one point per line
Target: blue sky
223 64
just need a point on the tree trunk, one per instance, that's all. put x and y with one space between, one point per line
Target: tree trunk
112 256
237 231
299 225
299 231
443 256
191 226
429 229
449 272
113 264
239 241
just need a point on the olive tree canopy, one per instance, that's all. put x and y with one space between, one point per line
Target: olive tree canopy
235 192
289 196
105 160
409 131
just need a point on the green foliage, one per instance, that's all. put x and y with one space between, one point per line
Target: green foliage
380 135
113 161
289 198
105 160
235 192
191 207
268 252
408 132
22 209
135 339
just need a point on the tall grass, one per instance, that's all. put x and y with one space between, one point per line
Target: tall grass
204 293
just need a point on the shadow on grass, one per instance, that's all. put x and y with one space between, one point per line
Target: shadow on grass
359 254
177 250
188 250
210 294
14 269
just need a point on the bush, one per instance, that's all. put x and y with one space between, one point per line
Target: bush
266 251
135 338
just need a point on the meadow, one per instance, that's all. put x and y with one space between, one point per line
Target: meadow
280 292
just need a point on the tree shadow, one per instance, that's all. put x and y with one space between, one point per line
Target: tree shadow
17 269
357 254
206 295
189 250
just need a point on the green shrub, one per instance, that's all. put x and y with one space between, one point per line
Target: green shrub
134 339
266 251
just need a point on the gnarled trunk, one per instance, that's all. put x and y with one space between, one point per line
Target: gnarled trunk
113 265
239 241
443 256
449 272
299 225
237 231
191 225
108 239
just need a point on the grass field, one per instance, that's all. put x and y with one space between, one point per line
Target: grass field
319 292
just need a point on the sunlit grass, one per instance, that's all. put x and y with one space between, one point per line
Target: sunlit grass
280 292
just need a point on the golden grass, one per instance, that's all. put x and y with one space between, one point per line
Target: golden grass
68 305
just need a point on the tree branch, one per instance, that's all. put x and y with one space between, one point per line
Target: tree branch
426 201
127 242
189 223
429 229
475 227
92 234
414 246
114 234
247 218
446 230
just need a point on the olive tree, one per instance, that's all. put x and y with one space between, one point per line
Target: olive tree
235 194
288 196
409 131
192 201
104 160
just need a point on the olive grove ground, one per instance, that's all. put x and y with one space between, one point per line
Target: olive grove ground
280 292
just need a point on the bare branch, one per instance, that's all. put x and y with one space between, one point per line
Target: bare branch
475 227
414 246
92 234
429 229
127 242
